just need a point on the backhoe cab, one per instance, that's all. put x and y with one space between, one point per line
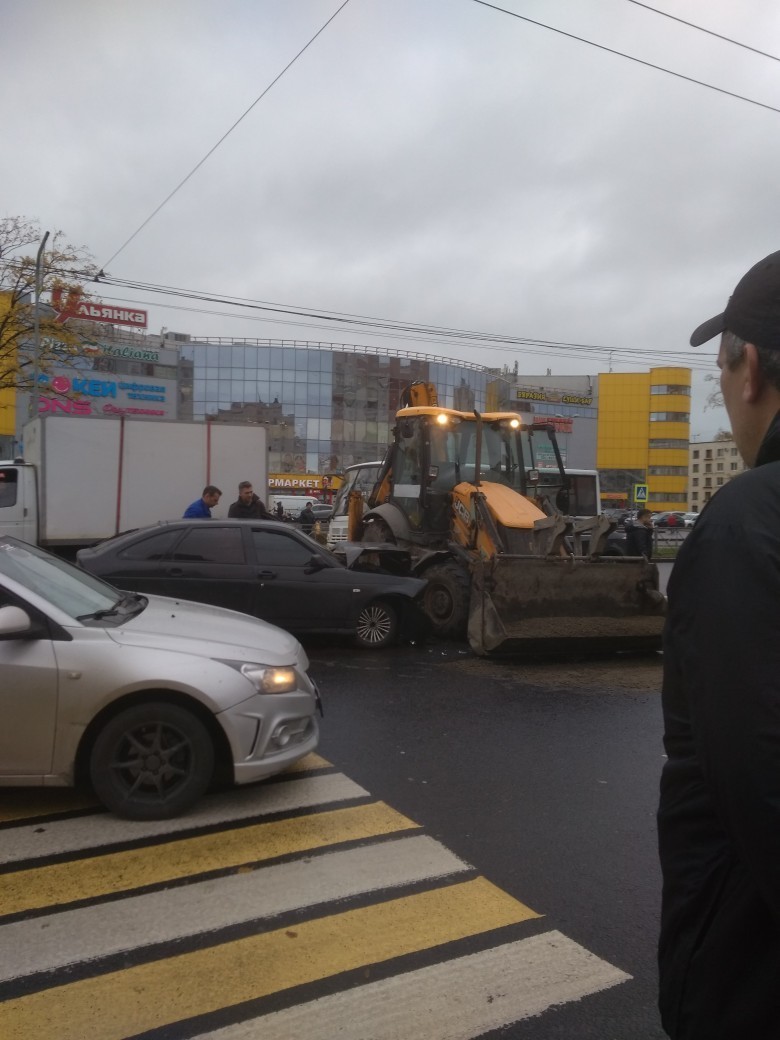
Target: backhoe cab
504 563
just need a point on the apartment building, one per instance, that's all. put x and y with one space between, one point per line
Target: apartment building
711 464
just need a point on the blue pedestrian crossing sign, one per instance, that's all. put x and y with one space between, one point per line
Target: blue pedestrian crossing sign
640 492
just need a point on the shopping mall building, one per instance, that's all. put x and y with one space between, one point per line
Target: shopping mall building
326 406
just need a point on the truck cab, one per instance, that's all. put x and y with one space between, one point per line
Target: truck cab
18 500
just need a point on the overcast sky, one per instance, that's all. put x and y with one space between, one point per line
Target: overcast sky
426 161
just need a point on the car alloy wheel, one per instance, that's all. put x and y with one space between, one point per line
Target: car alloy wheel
152 761
377 625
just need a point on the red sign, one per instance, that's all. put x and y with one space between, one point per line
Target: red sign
76 305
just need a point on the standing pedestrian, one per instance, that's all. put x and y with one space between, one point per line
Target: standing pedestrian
201 508
719 814
306 518
639 535
248 505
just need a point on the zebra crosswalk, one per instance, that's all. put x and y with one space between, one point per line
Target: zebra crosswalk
297 908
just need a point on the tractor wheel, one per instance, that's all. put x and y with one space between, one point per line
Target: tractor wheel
446 599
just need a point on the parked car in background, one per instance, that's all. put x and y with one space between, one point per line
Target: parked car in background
269 570
322 511
669 519
689 519
148 698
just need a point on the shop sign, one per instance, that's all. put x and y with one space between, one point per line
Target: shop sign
298 482
552 397
75 305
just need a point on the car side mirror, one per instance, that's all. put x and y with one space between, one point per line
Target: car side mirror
15 623
316 563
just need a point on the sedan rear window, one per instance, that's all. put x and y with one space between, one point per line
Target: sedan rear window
209 544
154 548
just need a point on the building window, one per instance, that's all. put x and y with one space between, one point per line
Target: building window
696 453
668 471
734 465
696 467
681 391
670 417
668 443
695 481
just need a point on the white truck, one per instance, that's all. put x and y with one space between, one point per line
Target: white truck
83 480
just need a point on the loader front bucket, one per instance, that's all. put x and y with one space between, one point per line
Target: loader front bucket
528 605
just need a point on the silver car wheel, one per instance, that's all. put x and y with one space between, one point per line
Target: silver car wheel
377 625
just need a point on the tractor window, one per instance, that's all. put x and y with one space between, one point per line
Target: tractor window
502 456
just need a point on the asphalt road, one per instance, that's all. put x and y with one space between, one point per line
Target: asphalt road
543 776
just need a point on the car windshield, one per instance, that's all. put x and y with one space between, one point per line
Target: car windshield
71 590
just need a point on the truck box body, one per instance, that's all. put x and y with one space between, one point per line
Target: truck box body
85 480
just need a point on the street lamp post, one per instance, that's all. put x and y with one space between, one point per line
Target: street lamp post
33 410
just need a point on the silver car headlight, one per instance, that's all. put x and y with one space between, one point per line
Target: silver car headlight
267 679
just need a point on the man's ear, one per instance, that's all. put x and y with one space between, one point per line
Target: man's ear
753 377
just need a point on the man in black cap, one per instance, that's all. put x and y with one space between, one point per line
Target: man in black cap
719 814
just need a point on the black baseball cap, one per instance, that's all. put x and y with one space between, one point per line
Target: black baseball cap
753 310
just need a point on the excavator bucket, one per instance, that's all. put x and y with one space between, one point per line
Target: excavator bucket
526 605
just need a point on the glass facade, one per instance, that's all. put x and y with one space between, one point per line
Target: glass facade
325 406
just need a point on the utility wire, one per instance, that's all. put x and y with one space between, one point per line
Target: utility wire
402 330
290 314
709 32
384 328
227 133
629 57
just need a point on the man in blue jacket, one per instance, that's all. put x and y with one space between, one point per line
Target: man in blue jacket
719 814
201 508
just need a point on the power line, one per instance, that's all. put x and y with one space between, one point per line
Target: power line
383 327
709 32
227 133
628 57
290 314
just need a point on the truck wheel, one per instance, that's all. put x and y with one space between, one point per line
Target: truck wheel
151 761
377 625
446 599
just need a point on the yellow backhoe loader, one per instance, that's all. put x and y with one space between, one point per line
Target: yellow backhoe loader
504 564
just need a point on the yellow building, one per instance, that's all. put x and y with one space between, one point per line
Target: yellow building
644 425
7 395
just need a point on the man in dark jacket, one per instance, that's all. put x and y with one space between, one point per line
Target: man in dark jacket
639 535
719 815
248 506
306 518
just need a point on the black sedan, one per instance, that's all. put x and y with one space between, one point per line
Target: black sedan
269 570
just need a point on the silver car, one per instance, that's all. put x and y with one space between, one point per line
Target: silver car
148 698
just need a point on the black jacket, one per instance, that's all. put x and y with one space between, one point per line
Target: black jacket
254 510
719 814
639 540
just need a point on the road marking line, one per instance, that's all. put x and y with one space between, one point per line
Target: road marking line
23 803
76 936
456 1000
61 883
150 996
64 836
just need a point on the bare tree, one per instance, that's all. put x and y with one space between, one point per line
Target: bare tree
64 267
714 397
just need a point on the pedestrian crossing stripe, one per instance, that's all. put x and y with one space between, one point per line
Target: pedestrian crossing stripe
322 913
